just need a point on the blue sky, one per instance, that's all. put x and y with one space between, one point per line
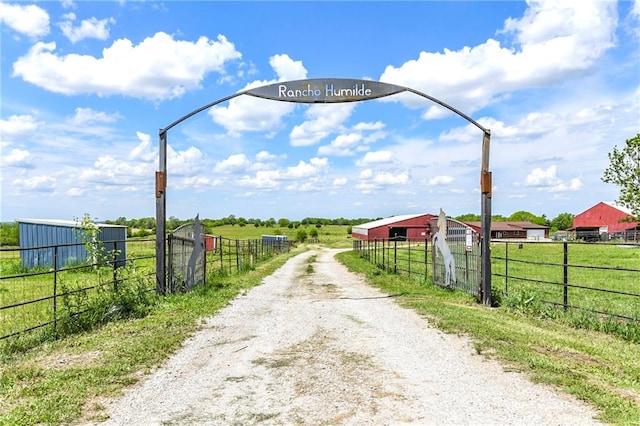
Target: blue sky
86 86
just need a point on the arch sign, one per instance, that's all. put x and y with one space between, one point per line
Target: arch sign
325 90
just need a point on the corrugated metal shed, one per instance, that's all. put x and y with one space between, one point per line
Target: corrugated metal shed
41 241
604 217
405 227
517 230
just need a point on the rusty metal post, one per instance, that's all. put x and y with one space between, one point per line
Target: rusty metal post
485 187
161 214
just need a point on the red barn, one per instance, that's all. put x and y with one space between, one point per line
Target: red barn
414 227
603 218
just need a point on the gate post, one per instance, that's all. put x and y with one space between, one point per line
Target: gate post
485 187
161 225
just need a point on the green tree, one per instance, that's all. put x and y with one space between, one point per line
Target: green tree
9 235
469 217
283 222
313 233
524 216
562 221
301 235
624 171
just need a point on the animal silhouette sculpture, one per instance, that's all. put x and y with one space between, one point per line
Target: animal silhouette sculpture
439 241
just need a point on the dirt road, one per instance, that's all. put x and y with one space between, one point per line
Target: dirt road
314 345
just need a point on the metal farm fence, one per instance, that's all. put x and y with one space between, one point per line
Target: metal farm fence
226 256
598 278
38 298
602 279
417 259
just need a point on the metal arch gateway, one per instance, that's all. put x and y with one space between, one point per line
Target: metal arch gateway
325 90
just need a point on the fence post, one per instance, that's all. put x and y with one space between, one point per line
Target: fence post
237 255
115 268
506 268
565 279
409 257
426 259
55 289
395 257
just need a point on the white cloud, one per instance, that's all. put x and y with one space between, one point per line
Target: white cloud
29 20
441 180
264 179
304 170
144 151
375 157
340 181
17 158
322 120
158 68
233 164
386 178
265 156
41 183
547 179
87 115
17 125
341 145
249 114
366 174
286 68
554 40
89 28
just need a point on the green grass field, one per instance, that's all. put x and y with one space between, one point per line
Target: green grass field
600 277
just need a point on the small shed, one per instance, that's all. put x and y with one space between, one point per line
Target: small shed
413 227
514 230
42 241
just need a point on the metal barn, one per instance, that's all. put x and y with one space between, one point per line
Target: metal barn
602 220
42 241
413 227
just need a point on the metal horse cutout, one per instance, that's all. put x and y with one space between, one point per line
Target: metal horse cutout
440 243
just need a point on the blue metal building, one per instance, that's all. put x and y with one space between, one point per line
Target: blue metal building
43 241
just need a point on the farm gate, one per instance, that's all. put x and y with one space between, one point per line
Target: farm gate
186 257
456 256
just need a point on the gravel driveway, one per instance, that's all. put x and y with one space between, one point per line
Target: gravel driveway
314 345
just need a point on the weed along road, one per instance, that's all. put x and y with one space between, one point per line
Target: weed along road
314 345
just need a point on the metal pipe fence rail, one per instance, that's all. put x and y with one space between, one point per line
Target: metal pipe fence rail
229 256
596 278
403 257
36 297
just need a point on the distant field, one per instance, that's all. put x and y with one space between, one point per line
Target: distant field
331 235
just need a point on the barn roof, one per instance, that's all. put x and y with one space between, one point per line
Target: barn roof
618 207
388 221
67 223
